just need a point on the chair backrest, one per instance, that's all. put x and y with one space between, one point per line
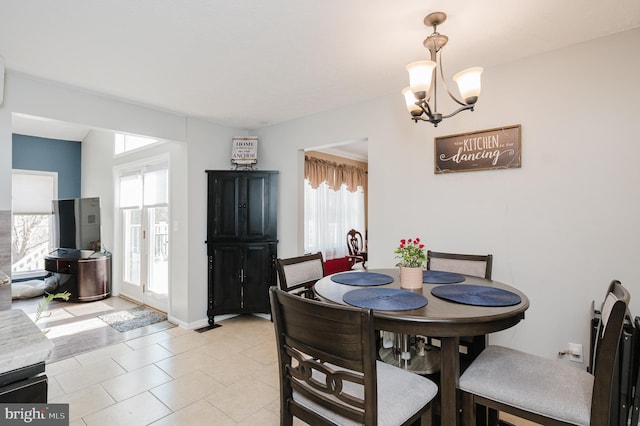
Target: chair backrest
467 264
300 272
325 352
355 243
614 310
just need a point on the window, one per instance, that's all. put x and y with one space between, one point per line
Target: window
32 193
328 216
125 143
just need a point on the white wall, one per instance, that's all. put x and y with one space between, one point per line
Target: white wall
209 149
98 180
561 227
37 97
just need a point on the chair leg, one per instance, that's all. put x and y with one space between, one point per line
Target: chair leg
468 410
427 418
286 419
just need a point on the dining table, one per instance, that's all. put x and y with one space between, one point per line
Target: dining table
444 318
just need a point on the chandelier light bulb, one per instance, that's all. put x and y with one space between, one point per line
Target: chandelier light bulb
411 100
420 77
469 84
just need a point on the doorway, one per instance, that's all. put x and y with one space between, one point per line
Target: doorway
335 192
144 232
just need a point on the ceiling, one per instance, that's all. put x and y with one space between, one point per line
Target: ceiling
251 63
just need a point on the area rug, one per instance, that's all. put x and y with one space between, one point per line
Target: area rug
131 319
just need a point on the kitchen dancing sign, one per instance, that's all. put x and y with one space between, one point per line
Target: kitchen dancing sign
484 150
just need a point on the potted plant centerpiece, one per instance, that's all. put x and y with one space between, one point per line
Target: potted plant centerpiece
412 257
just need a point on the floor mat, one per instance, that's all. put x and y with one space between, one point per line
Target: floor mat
132 318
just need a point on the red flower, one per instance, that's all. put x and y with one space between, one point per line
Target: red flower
411 253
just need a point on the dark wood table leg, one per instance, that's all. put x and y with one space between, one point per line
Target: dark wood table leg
449 374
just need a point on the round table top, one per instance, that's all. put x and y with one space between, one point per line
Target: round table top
438 316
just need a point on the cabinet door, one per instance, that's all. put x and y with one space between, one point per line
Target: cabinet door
225 286
31 390
260 198
258 276
239 278
242 206
224 204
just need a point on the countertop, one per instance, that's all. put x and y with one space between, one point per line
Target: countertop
22 343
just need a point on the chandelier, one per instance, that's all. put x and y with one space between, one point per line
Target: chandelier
421 95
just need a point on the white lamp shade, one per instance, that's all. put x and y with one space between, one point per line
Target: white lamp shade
410 99
469 84
420 76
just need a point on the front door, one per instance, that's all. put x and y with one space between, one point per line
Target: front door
144 224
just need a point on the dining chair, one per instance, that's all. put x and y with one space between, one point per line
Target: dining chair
297 275
328 369
548 391
356 248
467 264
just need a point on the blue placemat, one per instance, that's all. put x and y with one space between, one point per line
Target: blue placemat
441 277
476 295
384 299
362 278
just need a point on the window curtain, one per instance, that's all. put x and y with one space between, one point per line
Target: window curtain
334 174
333 204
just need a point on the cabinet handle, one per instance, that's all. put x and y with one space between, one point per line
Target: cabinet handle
242 275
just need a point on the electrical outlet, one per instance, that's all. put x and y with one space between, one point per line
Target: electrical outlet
575 352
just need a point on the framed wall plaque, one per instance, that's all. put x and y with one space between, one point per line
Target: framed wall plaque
498 148
244 150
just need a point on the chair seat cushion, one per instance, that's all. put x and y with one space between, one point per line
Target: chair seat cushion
401 394
543 386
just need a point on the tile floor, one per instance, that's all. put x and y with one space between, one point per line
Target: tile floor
169 376
224 376
75 327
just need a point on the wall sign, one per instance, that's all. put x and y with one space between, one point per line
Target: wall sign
244 151
498 148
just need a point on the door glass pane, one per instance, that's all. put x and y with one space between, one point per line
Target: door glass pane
158 250
130 191
132 237
155 187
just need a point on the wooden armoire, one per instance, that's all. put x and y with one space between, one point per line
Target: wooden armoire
242 240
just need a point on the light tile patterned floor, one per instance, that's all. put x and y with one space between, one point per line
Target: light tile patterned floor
225 376
176 377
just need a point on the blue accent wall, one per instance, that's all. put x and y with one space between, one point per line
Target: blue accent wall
50 155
